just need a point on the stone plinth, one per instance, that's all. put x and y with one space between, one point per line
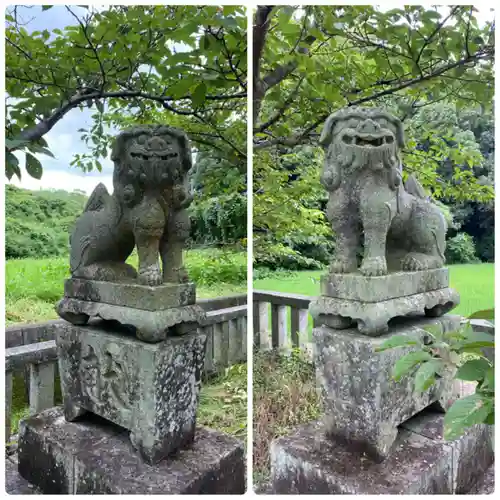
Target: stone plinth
92 456
371 302
154 312
362 402
150 389
355 286
149 298
307 462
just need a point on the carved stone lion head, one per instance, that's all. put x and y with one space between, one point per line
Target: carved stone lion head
359 138
151 156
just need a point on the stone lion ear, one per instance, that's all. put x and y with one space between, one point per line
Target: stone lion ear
400 133
326 133
186 156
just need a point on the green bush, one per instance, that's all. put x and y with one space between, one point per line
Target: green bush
461 250
459 354
219 219
210 267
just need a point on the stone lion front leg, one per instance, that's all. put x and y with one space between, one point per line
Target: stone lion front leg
171 247
344 218
377 207
148 222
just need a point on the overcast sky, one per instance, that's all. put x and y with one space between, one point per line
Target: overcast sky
64 140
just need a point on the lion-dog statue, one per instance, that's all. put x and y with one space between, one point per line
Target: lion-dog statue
398 226
147 209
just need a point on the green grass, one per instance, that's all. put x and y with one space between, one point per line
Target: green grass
33 286
474 283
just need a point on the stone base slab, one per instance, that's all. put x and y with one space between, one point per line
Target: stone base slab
363 404
149 298
355 286
95 457
307 462
150 389
372 318
150 326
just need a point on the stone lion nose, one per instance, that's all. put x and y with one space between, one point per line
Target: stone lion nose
368 127
156 143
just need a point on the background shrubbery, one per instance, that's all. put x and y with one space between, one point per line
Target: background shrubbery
460 249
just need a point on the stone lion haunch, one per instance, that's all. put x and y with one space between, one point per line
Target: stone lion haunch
402 229
147 209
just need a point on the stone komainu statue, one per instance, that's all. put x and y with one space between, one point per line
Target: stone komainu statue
147 209
362 172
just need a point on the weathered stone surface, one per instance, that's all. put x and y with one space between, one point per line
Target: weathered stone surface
147 210
95 457
150 389
362 402
149 298
472 453
14 483
399 227
421 462
150 326
372 318
355 286
307 462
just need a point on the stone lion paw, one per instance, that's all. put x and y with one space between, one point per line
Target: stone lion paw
415 262
374 266
150 276
343 266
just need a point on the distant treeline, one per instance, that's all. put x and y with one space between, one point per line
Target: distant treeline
37 223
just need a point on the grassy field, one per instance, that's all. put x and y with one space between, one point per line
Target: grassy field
33 286
474 283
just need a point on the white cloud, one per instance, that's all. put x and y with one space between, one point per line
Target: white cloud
69 181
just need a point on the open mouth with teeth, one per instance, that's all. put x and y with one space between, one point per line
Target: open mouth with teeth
368 140
149 156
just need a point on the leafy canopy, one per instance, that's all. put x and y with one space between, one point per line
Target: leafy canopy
124 63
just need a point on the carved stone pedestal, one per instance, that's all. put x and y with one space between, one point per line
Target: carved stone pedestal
307 462
154 312
363 405
371 302
150 389
92 456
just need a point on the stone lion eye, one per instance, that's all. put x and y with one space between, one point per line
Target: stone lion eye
389 139
347 139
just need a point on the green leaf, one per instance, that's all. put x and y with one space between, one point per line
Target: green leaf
46 7
35 148
199 95
14 143
484 314
464 413
474 369
408 362
426 374
477 339
12 166
33 166
99 105
396 341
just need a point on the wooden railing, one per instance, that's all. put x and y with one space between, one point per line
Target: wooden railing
281 321
31 351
